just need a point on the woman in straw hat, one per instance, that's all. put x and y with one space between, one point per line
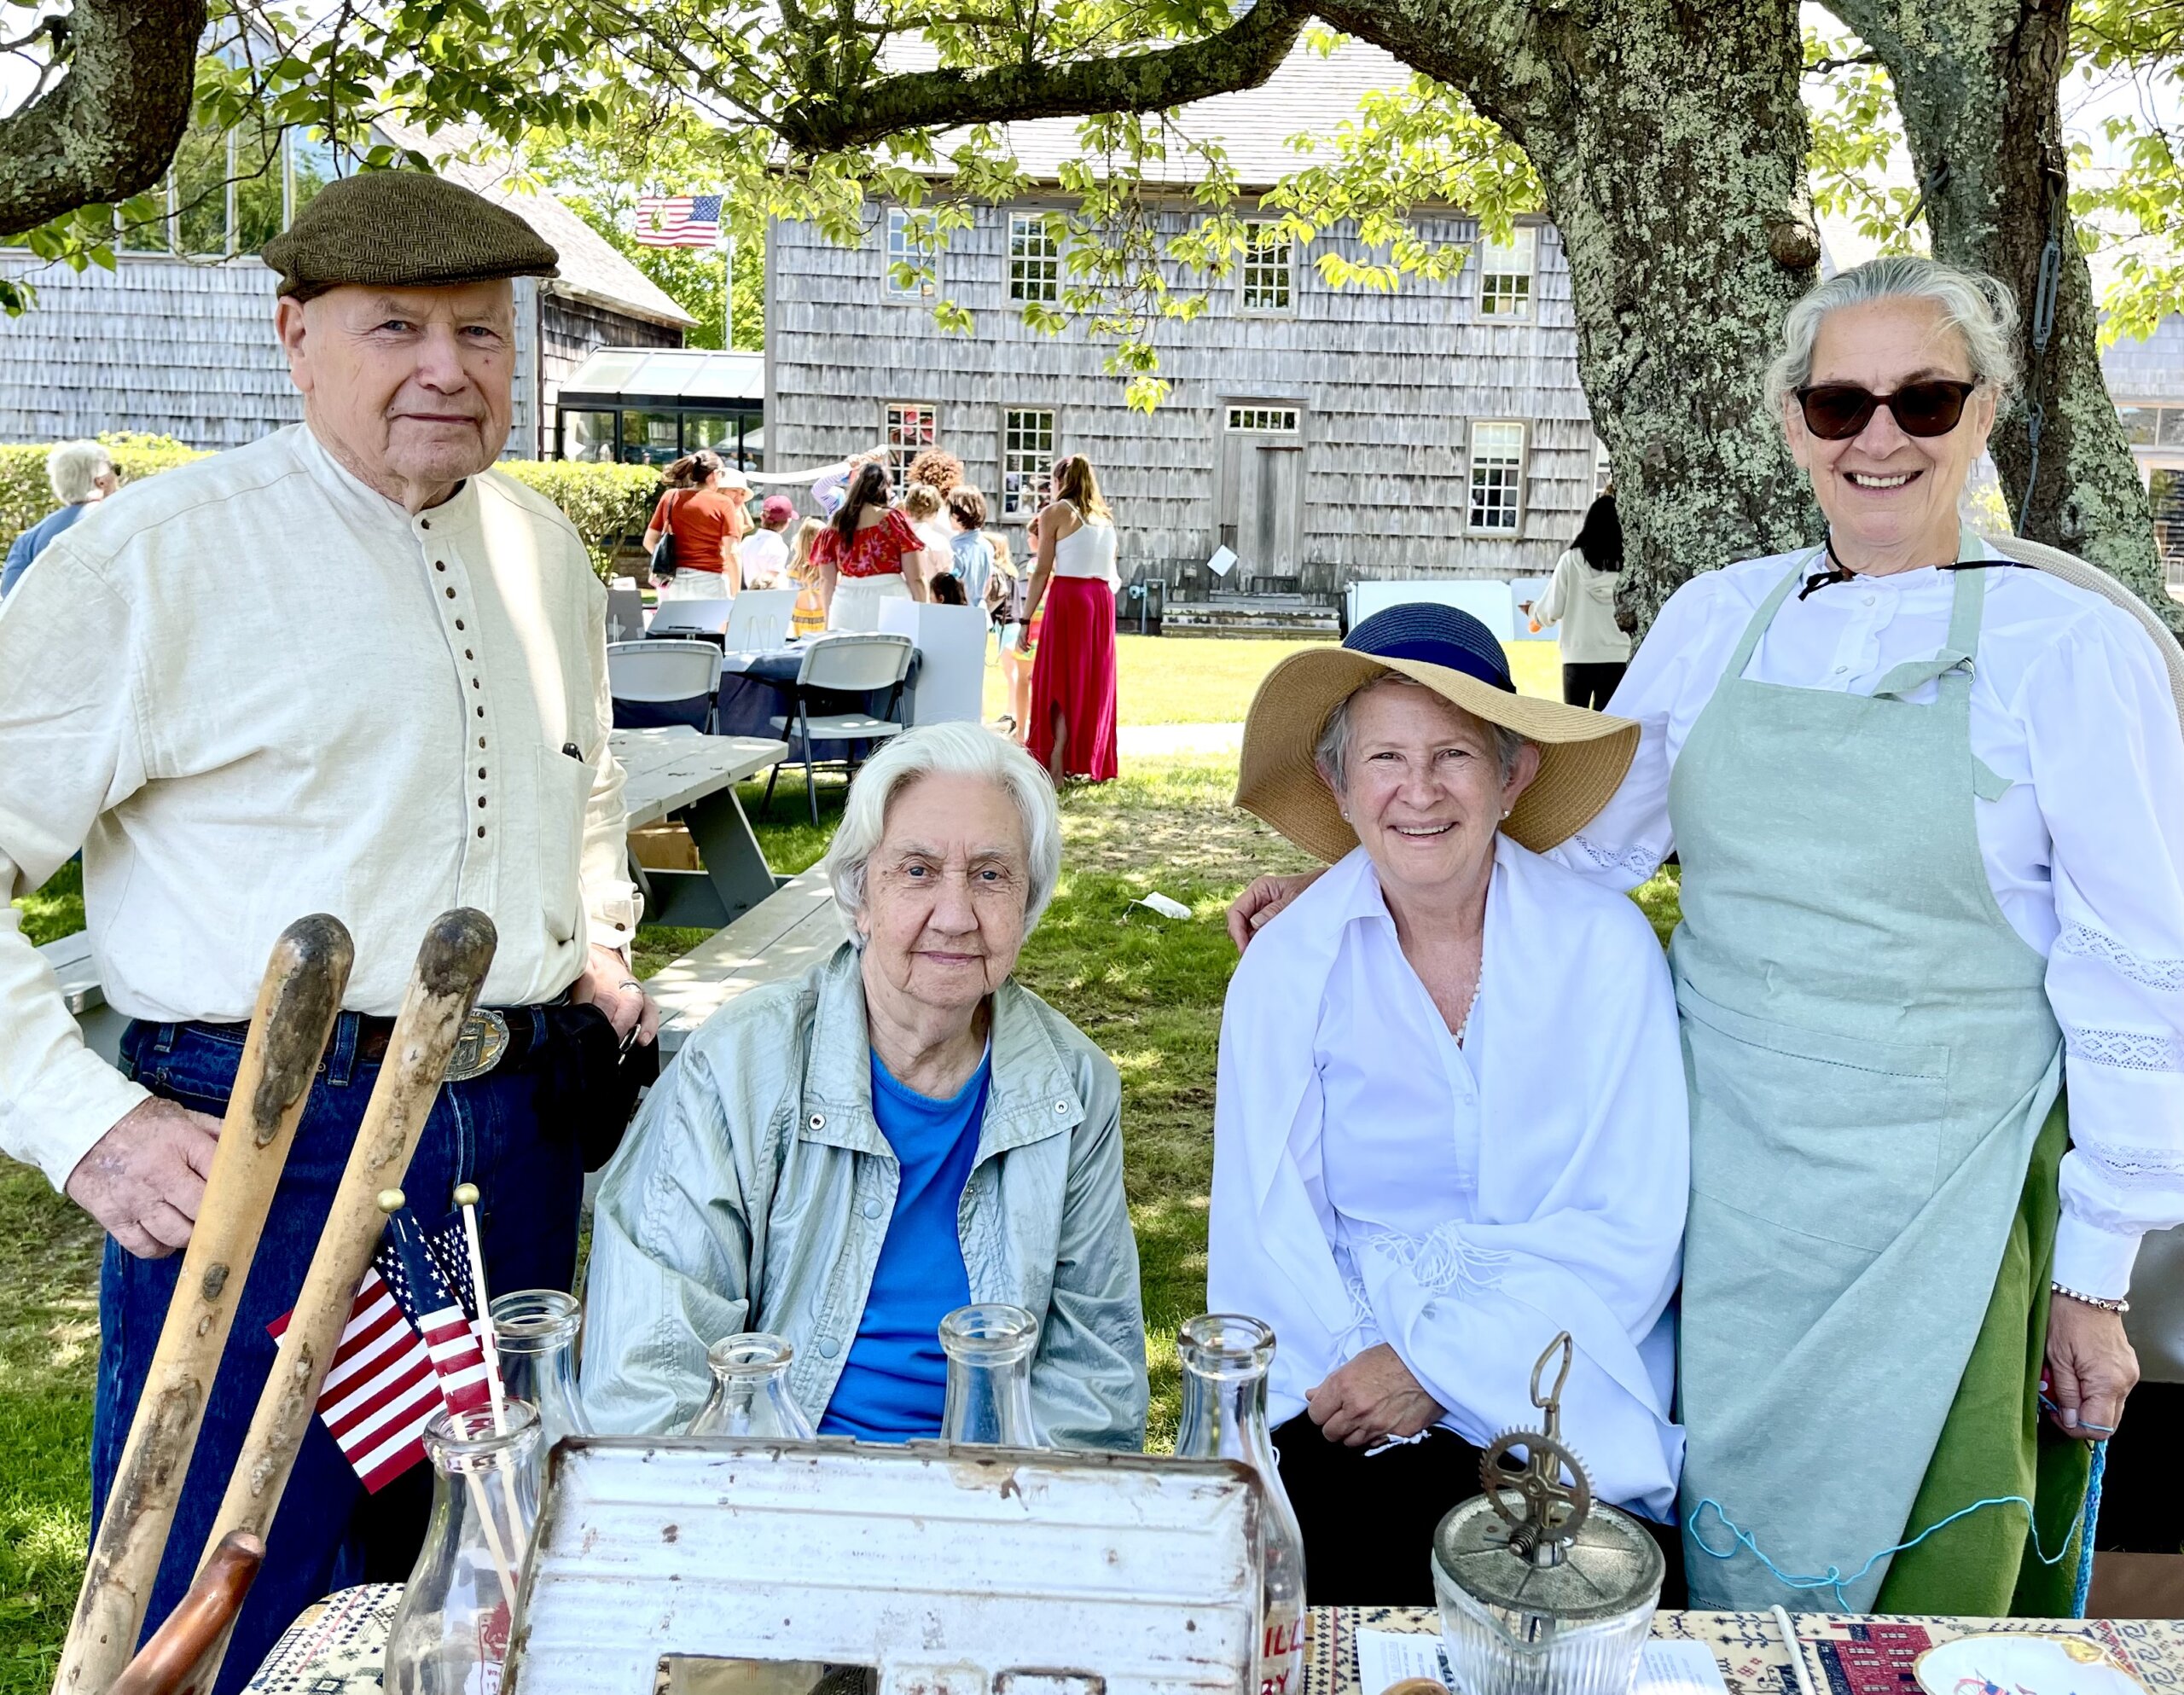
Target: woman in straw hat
1419 1178
1927 806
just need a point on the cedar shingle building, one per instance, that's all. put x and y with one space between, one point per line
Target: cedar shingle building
178 339
1323 434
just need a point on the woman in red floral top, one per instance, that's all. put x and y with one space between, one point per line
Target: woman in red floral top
867 554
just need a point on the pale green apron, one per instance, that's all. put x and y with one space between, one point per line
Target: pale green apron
1871 1056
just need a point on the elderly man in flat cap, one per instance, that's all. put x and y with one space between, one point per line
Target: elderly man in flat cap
351 670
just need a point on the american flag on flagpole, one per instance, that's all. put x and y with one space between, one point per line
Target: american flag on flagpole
678 221
409 1349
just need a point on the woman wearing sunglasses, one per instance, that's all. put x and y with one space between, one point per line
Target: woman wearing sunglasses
1930 808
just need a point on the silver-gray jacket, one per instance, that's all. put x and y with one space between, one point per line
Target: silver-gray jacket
756 1189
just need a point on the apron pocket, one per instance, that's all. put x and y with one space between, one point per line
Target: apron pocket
1835 1137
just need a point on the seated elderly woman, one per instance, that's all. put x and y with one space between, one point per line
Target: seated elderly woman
1451 1118
845 1159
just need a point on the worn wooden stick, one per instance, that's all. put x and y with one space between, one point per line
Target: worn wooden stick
450 969
173 1662
296 1002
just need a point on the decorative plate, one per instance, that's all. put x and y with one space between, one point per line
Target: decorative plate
2023 1665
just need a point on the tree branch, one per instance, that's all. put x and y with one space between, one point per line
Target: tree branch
1498 53
107 129
1243 55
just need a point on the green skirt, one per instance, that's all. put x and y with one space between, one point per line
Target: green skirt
1994 1443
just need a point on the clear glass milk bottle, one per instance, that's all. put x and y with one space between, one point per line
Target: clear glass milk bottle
535 1332
988 1346
751 1394
1225 1358
451 1631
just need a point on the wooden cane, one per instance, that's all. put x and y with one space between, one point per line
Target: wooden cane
173 1662
302 991
450 969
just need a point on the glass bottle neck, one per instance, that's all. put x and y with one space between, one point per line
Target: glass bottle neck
1224 1417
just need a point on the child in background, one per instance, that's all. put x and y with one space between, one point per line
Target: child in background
809 618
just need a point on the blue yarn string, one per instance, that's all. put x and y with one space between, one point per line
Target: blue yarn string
1833 1578
2087 1524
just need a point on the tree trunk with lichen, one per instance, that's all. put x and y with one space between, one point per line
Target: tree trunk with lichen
1669 139
1976 82
107 129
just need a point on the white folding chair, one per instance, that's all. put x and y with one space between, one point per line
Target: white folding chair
853 665
663 682
691 617
760 619
625 611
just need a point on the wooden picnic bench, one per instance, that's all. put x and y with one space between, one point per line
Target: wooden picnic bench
780 938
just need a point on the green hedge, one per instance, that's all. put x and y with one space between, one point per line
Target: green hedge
606 502
26 496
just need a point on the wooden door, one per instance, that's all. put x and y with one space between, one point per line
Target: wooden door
1262 496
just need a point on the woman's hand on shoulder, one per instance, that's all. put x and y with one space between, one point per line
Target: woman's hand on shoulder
1371 1398
1262 900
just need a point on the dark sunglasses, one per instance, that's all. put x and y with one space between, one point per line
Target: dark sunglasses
1836 411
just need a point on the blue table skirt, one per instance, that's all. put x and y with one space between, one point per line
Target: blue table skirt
756 689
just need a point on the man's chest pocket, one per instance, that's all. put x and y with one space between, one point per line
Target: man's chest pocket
564 794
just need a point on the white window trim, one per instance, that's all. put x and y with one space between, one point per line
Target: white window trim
1243 271
895 217
1524 234
1038 220
1510 533
898 460
1260 410
1003 510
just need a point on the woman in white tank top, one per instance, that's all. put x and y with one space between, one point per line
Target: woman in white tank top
1071 731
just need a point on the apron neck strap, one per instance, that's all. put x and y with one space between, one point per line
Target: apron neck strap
1765 616
1953 664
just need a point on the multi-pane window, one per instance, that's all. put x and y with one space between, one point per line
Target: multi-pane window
1027 461
1269 281
1603 472
1269 420
911 427
903 225
2152 425
1497 477
1034 258
227 192
1505 274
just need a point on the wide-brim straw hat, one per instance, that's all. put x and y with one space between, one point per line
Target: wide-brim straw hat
1584 754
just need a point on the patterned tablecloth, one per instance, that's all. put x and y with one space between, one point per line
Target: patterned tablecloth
336 1647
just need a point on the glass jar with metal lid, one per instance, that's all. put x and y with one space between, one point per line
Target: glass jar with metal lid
1542 1590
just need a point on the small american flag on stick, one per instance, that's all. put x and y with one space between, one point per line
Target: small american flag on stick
678 221
409 1349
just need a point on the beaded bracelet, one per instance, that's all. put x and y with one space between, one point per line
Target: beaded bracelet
2104 1305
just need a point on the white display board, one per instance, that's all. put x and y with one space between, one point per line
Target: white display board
1487 599
951 642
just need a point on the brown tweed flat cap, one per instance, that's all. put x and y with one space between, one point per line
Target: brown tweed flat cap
404 229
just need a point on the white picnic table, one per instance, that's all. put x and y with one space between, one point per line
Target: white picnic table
677 771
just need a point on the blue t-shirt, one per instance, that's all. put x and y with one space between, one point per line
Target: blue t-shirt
895 1382
974 553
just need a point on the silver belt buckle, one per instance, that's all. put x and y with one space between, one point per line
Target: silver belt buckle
485 1038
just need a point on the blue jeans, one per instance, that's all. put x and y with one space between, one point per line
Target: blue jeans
487 1131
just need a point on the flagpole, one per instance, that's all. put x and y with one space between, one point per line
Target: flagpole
728 283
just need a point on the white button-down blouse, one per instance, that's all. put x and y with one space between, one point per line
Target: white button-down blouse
252 688
2071 706
1375 1182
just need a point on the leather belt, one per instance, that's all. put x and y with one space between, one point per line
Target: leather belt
488 1040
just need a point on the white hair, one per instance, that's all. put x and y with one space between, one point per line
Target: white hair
74 467
954 750
1331 752
1979 308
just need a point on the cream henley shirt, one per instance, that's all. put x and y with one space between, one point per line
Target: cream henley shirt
252 688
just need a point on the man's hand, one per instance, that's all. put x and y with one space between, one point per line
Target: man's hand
141 1180
2090 1368
1371 1399
1266 897
608 983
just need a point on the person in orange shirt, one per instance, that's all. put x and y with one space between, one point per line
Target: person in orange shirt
707 520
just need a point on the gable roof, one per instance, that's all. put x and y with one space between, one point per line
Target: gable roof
590 268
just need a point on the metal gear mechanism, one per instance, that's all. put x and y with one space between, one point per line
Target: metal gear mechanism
1547 1513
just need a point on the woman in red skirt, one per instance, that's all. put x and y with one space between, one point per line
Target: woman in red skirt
1072 727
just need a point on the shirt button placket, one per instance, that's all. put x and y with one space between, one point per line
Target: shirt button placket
481 761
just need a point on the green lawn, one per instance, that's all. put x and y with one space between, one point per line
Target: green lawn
1204 680
1149 989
